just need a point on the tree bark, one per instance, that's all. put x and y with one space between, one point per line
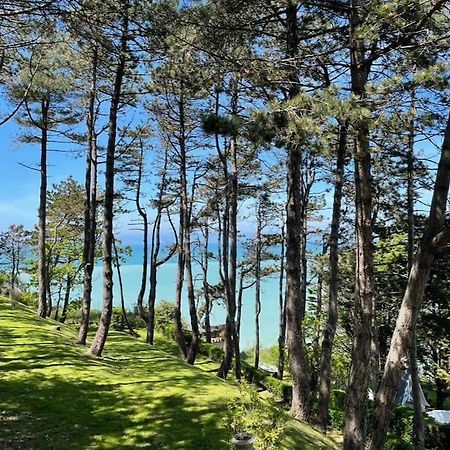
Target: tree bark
294 231
98 343
330 329
230 242
66 299
257 283
418 427
282 309
143 214
154 254
122 293
434 237
364 306
42 266
205 267
90 208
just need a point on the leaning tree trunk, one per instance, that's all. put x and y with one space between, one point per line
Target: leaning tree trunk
294 231
364 306
330 329
98 343
434 237
42 266
90 208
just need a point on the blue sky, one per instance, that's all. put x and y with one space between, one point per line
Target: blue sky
19 193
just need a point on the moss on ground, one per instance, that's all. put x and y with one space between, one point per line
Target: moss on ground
53 396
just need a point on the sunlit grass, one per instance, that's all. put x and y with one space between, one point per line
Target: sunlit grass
52 395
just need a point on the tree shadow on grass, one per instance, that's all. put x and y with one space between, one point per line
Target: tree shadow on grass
43 413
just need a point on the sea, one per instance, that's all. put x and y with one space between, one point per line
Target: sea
132 273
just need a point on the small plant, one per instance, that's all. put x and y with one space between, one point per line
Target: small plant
249 413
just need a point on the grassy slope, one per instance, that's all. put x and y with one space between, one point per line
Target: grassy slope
54 396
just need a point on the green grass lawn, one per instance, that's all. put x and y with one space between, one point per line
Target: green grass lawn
53 396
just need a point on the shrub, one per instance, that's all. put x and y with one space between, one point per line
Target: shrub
249 413
28 298
336 418
211 351
117 320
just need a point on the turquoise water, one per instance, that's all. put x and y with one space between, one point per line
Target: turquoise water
132 273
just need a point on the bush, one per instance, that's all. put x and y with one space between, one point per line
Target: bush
249 413
117 320
336 418
400 436
28 298
211 351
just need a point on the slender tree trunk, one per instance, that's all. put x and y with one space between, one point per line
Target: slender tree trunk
122 293
257 284
282 306
154 254
418 428
230 242
58 303
66 299
364 305
434 237
49 297
98 343
294 231
205 267
193 348
330 329
153 280
90 208
143 214
42 266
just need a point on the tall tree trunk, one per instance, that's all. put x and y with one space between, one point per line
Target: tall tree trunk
434 237
294 231
364 306
42 266
193 347
330 329
230 242
143 214
257 283
205 267
90 207
282 309
418 428
66 298
58 303
154 254
122 293
98 343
